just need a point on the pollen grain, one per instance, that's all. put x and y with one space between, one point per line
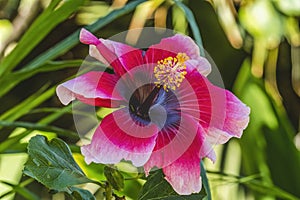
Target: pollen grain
170 72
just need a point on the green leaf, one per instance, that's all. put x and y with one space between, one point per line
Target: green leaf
193 24
28 104
52 164
270 29
114 178
269 189
269 137
12 141
24 192
41 127
20 189
253 183
50 118
49 19
57 50
72 40
95 171
12 144
12 79
81 194
157 188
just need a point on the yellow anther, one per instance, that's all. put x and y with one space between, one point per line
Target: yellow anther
171 71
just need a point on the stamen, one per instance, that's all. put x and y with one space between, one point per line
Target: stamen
171 71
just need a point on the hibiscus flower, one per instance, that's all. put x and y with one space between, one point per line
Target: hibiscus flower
169 113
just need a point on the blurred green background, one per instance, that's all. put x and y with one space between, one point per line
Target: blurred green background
254 43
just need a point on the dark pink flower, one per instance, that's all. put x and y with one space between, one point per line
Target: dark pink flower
169 114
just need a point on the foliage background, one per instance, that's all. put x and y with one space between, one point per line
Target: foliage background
254 43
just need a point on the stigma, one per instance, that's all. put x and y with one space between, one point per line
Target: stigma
170 72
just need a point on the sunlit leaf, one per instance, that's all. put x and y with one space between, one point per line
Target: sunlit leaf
6 29
27 194
261 20
268 137
62 47
14 78
270 189
72 40
42 127
29 103
94 171
10 142
288 7
179 20
38 30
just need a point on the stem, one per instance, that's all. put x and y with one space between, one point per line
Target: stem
108 192
205 181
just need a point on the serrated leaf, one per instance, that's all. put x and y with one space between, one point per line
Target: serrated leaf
114 178
157 188
52 164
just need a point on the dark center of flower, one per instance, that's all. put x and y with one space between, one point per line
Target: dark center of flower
147 102
141 101
150 103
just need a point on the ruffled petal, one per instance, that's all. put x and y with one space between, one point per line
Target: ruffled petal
184 173
201 65
120 56
94 88
207 151
120 137
178 43
232 117
87 37
173 141
222 114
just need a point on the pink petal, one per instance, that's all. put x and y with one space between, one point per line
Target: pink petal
153 54
194 98
201 65
184 173
173 142
88 38
222 114
119 137
208 151
171 46
231 120
120 56
94 88
179 43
